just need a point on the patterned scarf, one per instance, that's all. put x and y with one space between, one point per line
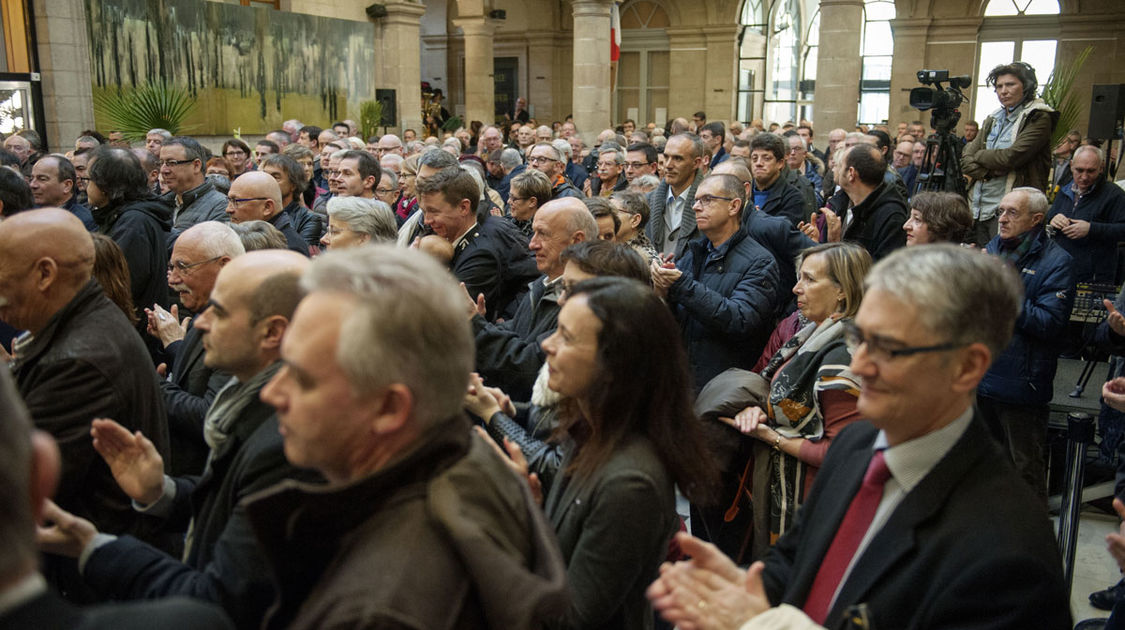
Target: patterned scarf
798 372
1015 248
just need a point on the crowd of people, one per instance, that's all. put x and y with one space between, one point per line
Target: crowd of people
484 380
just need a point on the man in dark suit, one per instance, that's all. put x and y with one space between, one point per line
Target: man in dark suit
248 314
489 254
198 255
29 472
916 520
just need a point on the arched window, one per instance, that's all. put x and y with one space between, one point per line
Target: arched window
1034 45
808 68
751 60
997 8
877 47
784 62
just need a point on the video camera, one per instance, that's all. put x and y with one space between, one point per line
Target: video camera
943 100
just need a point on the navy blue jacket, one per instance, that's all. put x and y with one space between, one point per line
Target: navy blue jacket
576 173
782 240
1095 256
785 200
82 212
726 304
504 186
1025 371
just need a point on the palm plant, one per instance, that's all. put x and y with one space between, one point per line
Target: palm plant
1057 93
134 111
370 117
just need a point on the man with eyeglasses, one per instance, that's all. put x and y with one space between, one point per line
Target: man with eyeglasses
1014 396
192 197
915 520
256 196
200 252
547 159
640 159
725 287
805 166
903 163
389 144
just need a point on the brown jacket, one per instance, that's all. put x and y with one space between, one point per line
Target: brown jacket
446 537
1027 162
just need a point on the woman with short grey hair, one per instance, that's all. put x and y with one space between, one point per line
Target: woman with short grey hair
354 221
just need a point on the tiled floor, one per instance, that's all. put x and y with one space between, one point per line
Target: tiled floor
1094 568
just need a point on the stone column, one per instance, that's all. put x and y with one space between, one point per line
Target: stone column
401 61
687 80
592 90
721 96
836 103
911 55
541 52
480 88
64 64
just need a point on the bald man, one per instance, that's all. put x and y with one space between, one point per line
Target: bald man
80 360
256 196
243 325
508 353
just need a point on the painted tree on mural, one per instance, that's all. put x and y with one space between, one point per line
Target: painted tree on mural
247 67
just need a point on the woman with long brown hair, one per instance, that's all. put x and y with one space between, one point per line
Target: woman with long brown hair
631 437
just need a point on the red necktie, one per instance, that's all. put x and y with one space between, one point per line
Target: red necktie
852 529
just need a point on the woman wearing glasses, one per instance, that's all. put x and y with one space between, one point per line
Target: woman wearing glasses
812 391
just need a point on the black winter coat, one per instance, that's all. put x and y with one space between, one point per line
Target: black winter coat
140 229
877 221
508 354
224 564
1095 255
188 393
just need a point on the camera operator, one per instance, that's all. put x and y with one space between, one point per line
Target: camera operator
1013 146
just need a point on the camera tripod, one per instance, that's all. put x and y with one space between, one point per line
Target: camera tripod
941 166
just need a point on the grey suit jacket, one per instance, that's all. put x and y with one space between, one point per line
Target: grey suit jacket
657 230
613 529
